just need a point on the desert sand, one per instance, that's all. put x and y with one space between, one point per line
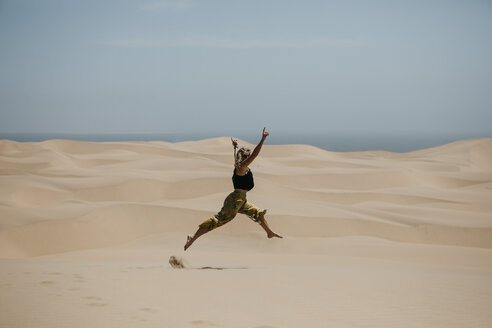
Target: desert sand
371 239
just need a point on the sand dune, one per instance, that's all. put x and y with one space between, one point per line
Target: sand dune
75 202
104 175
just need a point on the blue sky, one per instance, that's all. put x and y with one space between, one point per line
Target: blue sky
367 67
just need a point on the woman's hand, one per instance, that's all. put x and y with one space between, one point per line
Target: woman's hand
234 142
265 133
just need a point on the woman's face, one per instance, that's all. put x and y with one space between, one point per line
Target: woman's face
246 154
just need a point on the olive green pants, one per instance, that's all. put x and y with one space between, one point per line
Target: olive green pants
234 203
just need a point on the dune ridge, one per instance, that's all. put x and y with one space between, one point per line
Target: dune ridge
142 188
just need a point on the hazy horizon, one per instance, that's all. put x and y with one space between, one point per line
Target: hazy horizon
399 143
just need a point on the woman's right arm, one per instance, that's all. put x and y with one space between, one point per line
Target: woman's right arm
234 144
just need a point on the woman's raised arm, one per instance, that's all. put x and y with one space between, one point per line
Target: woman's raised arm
234 144
257 149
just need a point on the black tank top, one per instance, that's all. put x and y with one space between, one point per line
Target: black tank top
243 182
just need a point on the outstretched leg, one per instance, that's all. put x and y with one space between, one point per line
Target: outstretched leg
263 223
191 239
255 214
232 203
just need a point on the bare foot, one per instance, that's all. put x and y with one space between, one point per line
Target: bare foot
273 234
189 241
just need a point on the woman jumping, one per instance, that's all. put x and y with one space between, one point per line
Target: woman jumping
236 201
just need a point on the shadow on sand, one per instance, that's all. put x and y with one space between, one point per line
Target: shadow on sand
219 268
177 263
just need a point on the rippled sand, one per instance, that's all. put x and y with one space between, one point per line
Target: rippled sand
372 239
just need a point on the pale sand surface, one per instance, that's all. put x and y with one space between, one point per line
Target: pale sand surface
372 239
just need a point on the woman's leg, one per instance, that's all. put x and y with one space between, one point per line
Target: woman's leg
257 215
229 210
198 233
264 225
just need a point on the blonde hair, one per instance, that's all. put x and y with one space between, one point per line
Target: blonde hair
240 156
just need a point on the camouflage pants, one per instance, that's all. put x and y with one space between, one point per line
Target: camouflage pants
234 203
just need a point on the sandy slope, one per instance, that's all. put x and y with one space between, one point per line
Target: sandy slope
373 239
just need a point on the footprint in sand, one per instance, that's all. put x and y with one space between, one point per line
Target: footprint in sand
78 278
97 304
92 298
136 318
47 282
203 323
